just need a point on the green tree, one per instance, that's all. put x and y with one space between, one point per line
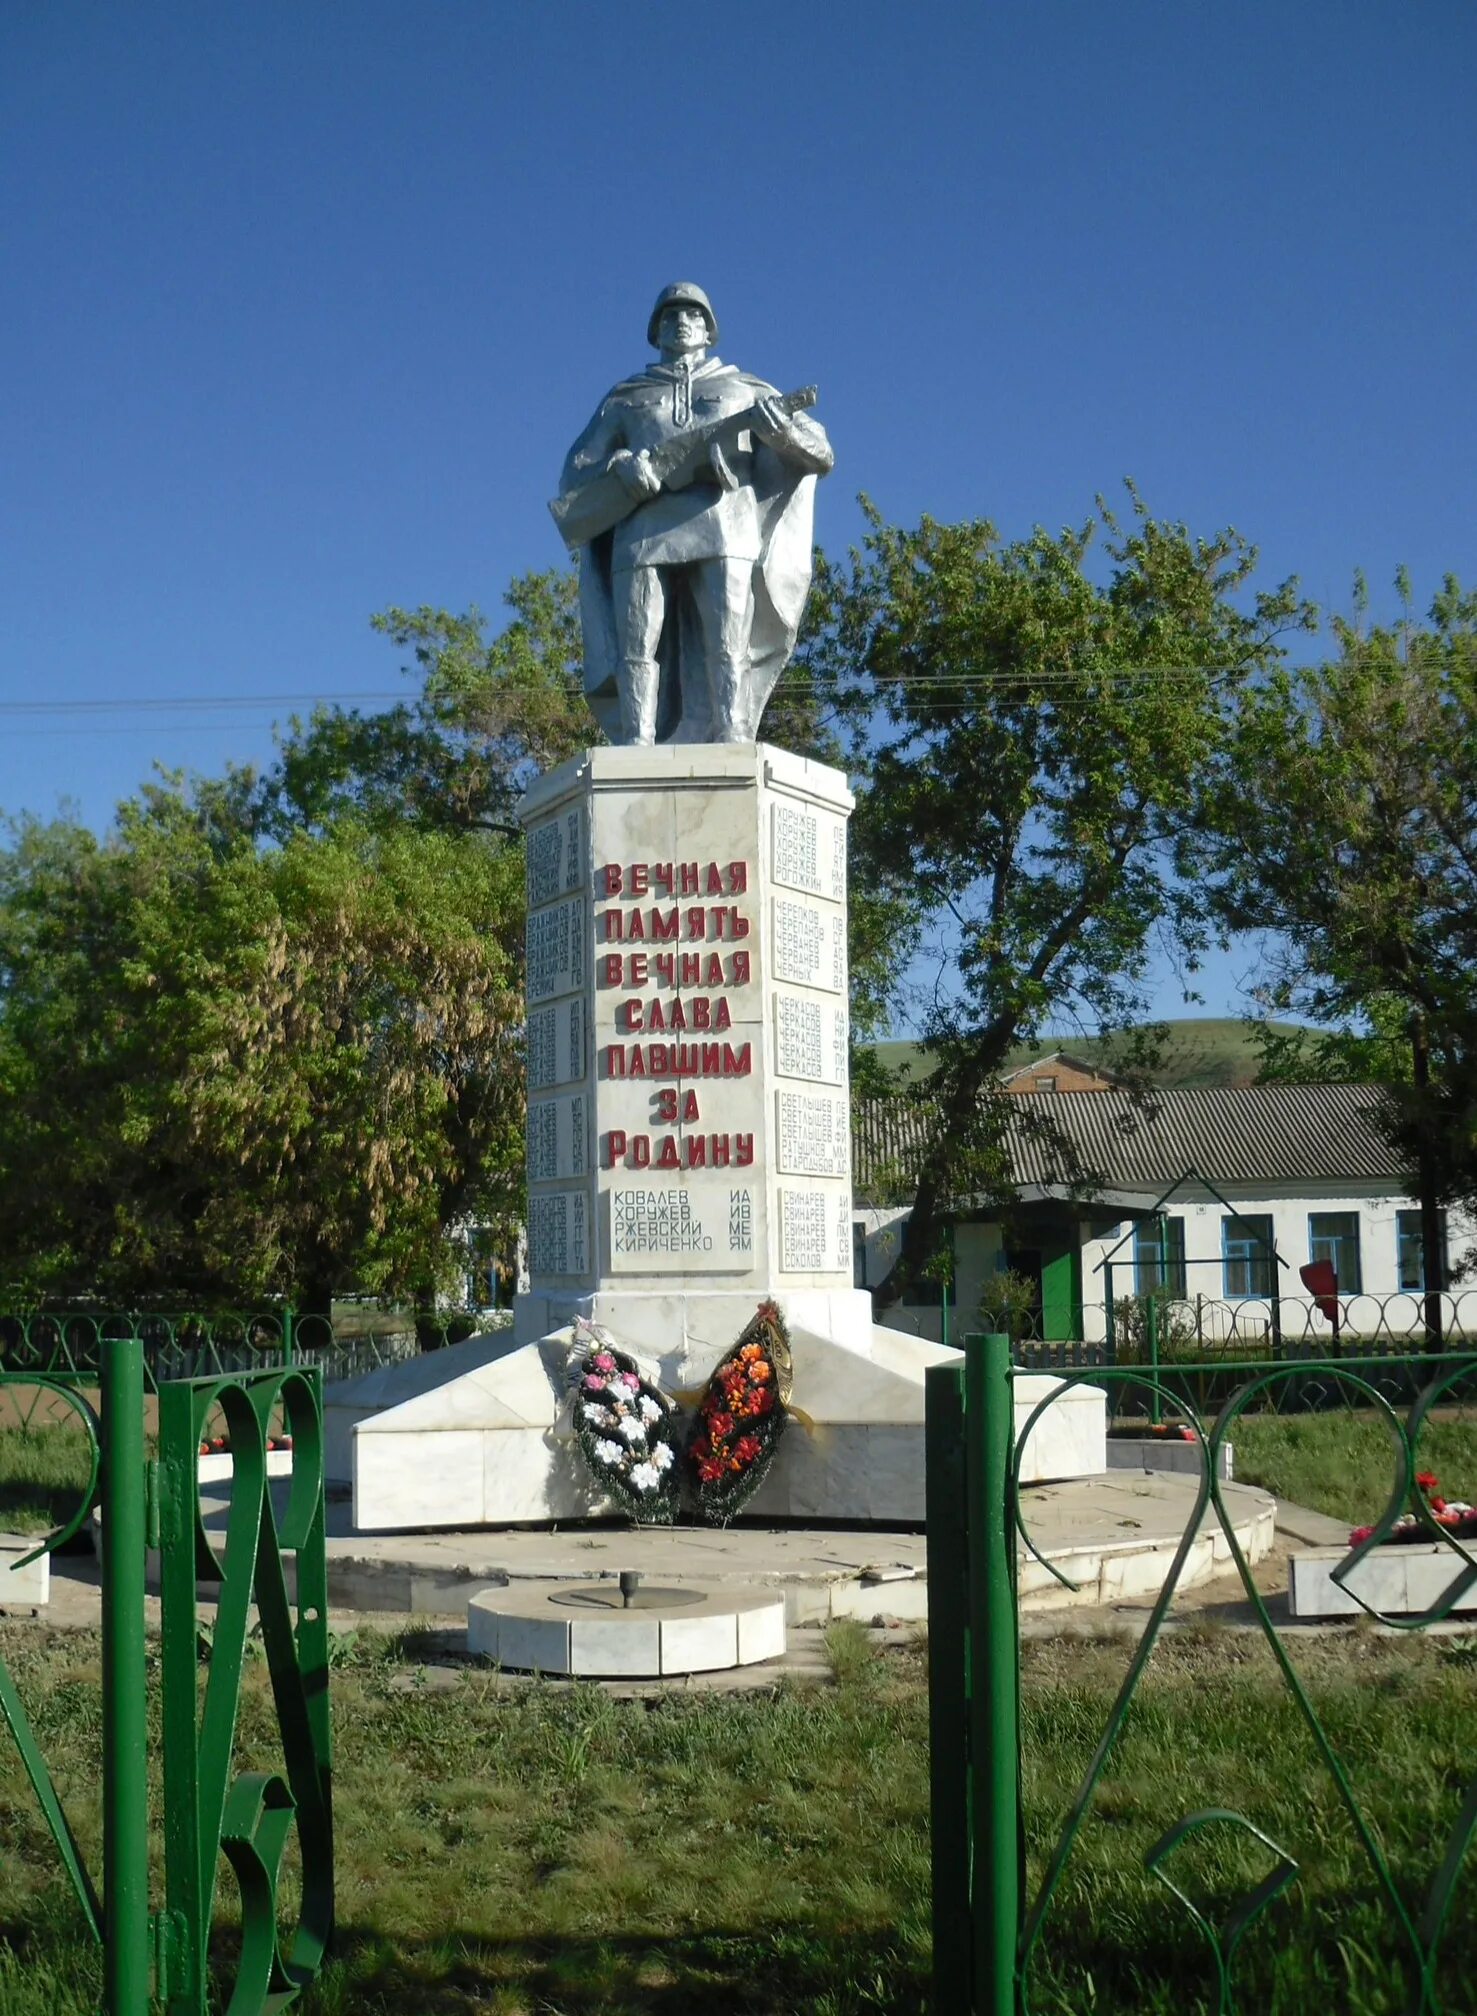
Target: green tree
1031 743
489 715
230 1070
1343 822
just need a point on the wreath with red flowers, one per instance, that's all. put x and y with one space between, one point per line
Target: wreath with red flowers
740 1419
1452 1515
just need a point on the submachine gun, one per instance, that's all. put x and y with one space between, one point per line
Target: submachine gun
583 514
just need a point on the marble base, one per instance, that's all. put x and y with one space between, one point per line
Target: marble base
23 1588
1401 1581
686 1327
1159 1452
529 1628
481 1433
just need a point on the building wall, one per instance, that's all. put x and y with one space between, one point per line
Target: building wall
1218 1315
1056 1074
980 1253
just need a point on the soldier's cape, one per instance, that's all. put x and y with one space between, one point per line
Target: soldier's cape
785 497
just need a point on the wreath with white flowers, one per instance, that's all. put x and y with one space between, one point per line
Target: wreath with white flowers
627 1430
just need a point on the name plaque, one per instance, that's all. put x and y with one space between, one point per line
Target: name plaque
556 858
558 1138
808 851
812 1134
556 1044
809 1039
554 942
809 945
558 1233
692 1228
815 1231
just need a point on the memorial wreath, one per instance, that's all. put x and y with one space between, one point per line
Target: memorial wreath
1452 1515
740 1419
627 1430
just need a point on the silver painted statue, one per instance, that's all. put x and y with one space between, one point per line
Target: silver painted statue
689 501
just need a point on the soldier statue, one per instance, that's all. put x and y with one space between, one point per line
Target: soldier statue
689 499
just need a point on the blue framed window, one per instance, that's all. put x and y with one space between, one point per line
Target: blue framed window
1159 1256
1247 1260
1410 1257
1334 1235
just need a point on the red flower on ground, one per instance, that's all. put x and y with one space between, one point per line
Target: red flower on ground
1427 1479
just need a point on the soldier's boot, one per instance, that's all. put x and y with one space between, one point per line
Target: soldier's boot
728 681
639 689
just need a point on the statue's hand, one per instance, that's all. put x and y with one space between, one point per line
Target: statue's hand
635 473
772 422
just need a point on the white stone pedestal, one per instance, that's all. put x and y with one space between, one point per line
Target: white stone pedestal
689 1154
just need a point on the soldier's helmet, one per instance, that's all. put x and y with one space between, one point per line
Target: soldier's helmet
680 291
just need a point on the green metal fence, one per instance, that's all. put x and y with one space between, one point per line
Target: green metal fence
205 1806
988 1919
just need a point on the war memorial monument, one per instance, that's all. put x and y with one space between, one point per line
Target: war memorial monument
689 1141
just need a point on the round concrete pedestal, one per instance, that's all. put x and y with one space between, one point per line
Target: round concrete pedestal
589 1629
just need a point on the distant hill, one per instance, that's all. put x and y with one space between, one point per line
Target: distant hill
1201 1050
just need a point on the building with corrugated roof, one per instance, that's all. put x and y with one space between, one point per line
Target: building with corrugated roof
1213 1197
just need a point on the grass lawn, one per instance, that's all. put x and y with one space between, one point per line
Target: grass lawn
1344 1463
537 1849
43 1473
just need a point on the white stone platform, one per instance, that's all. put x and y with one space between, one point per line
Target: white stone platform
565 1629
481 1434
1114 1536
28 1587
1400 1581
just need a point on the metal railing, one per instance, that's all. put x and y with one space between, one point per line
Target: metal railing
207 1807
988 1918
68 1345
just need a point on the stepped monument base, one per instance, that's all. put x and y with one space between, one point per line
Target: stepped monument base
689 1157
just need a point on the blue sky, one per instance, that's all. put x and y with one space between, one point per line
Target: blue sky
304 305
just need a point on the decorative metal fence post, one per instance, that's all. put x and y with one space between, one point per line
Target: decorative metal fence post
948 1688
995 1750
974 1682
126 1964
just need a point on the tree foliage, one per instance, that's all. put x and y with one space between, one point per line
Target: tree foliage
1031 743
1343 819
233 1071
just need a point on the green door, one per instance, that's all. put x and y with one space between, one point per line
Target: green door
1061 1293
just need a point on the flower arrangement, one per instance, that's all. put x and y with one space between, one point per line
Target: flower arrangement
626 1428
740 1419
1454 1515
